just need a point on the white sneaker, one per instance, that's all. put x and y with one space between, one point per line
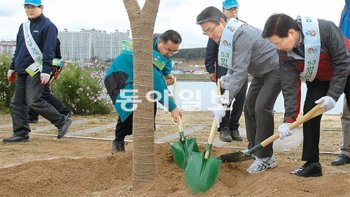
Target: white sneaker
262 164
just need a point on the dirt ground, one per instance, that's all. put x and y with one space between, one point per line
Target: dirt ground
84 167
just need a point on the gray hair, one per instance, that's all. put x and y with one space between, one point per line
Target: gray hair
210 14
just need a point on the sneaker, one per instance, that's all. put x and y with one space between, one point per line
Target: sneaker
118 146
235 135
63 131
262 164
225 135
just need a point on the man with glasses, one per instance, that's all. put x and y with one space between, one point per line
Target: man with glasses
119 78
229 126
242 50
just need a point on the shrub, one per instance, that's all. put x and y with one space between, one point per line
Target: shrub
81 89
6 89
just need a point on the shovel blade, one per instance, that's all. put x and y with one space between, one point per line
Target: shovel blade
235 157
182 150
201 174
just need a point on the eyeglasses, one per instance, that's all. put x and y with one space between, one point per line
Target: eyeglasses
170 50
210 30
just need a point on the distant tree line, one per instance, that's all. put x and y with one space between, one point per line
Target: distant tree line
191 54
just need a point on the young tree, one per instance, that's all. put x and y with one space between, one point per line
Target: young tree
142 23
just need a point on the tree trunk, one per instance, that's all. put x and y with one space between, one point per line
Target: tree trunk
142 26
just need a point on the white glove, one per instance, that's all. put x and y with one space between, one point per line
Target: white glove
218 113
224 99
9 74
328 102
284 130
44 77
225 81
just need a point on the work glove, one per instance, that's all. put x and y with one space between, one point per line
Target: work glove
328 102
225 81
284 130
224 99
218 113
11 75
44 77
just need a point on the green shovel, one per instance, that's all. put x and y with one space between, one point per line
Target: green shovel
202 169
184 148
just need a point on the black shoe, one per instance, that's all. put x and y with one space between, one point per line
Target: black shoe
17 138
235 135
33 121
63 131
118 146
341 160
309 169
225 134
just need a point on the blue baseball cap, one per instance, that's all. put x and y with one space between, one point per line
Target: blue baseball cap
228 4
33 2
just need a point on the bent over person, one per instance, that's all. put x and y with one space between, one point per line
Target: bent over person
119 84
32 62
242 50
313 50
230 123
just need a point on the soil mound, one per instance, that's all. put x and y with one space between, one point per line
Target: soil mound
111 176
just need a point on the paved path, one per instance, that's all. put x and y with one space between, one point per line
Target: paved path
287 144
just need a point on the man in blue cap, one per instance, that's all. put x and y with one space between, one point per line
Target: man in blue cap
230 8
229 126
32 63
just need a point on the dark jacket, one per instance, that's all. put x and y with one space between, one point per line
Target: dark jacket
211 59
44 33
334 66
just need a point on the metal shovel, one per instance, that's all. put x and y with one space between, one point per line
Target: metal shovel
202 169
247 154
183 148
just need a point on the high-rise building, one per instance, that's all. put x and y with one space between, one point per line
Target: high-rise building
8 47
91 44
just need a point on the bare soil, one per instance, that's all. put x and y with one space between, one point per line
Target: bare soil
47 166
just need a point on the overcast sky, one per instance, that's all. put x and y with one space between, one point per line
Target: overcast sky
179 15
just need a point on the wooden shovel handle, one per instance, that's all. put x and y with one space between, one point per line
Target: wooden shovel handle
316 111
174 89
179 124
213 125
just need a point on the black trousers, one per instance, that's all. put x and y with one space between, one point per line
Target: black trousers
347 92
122 129
55 102
231 118
311 129
28 94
